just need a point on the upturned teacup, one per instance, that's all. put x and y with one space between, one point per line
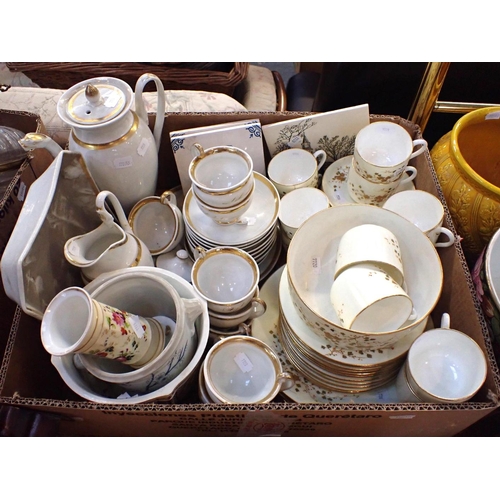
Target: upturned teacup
370 244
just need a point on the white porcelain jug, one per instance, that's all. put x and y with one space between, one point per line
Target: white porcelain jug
116 143
110 246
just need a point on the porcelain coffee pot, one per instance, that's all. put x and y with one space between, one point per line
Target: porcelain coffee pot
115 141
110 246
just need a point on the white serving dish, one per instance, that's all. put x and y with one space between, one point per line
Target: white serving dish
60 204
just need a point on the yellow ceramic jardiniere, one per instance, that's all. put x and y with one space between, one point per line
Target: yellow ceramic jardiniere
467 163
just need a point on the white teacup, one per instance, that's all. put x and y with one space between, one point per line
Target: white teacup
158 222
382 150
298 205
226 277
221 176
369 192
255 309
425 211
243 370
367 299
227 215
370 244
442 366
295 168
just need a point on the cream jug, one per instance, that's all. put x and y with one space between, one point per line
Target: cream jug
110 246
116 142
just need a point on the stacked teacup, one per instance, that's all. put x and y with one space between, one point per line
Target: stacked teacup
382 151
368 289
227 279
222 182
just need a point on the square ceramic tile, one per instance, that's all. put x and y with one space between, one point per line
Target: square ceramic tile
333 131
244 134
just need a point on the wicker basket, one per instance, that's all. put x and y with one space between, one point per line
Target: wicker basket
221 77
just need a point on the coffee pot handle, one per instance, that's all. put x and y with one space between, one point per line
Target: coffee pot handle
140 108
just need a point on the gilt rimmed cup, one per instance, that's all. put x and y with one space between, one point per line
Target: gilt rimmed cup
425 211
243 370
226 277
295 168
221 176
157 221
383 149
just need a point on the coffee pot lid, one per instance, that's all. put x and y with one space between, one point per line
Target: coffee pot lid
95 101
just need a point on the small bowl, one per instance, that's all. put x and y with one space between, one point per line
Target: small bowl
158 222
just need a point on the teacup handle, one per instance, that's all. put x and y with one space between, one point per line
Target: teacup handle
199 253
286 381
449 242
445 321
423 146
409 178
322 157
259 307
168 197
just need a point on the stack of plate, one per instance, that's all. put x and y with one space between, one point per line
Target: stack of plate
329 366
257 232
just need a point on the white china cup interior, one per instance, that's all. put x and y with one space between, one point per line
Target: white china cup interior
221 169
225 275
384 144
241 369
65 320
446 365
292 166
157 223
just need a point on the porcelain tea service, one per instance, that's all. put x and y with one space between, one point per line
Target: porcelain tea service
119 149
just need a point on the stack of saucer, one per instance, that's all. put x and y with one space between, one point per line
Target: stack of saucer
256 232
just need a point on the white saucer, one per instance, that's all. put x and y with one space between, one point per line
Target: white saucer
265 328
334 182
261 216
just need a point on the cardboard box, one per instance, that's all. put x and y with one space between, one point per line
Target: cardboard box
28 380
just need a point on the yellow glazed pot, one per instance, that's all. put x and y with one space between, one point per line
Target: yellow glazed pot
467 163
